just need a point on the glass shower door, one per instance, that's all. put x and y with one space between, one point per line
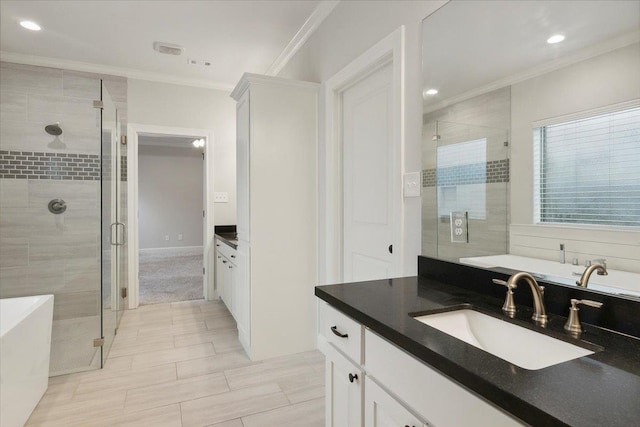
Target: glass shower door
112 229
472 178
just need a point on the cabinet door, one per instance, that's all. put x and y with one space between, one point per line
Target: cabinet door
242 166
243 293
220 275
228 294
382 410
232 274
343 391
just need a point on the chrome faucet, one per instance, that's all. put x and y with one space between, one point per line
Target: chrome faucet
584 279
539 312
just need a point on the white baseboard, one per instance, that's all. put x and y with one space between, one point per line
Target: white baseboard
180 250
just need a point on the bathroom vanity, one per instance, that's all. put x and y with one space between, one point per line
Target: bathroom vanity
385 367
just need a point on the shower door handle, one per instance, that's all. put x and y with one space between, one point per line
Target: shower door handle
124 233
111 239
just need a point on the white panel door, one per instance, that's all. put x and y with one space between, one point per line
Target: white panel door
382 410
368 176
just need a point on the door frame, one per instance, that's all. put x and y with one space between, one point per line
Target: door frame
134 130
389 50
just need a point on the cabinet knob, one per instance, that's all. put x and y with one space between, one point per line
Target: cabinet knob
233 256
353 377
224 261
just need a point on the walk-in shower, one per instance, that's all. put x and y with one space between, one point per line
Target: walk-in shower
62 204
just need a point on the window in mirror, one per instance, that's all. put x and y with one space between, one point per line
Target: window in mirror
588 169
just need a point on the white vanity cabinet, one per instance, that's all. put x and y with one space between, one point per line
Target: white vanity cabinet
393 388
382 410
276 166
226 276
344 384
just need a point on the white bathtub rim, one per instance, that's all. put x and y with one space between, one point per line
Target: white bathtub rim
31 303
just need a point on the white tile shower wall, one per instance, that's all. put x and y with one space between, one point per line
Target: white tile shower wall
42 253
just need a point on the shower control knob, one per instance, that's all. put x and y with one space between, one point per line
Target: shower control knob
57 206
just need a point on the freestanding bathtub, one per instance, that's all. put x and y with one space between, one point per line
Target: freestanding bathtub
25 345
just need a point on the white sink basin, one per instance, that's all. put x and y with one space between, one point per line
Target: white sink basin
520 346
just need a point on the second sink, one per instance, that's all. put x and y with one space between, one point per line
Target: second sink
520 346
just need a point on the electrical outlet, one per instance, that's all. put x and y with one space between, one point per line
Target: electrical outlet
179 236
166 237
220 197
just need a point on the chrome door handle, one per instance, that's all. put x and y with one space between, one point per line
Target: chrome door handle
113 224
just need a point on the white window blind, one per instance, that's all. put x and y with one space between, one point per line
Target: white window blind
587 170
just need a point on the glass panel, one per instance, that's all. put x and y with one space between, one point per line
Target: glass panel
110 238
121 210
469 185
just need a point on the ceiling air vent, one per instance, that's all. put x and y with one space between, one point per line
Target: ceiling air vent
168 48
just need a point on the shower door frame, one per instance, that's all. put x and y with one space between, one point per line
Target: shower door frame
134 130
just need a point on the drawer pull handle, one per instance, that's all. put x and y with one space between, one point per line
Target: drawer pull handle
334 329
353 377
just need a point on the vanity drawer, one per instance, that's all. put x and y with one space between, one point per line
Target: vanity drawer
226 251
343 332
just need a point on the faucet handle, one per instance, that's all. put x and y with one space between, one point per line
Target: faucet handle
573 324
576 302
509 306
504 283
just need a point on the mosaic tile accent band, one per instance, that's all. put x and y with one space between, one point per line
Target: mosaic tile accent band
123 168
52 166
478 173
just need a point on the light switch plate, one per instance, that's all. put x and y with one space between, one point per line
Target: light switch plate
220 197
412 184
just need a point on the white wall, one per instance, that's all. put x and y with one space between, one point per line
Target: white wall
170 196
596 82
162 104
348 31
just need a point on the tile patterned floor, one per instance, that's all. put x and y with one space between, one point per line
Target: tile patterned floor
181 364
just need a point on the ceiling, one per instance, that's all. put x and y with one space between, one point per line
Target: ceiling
473 47
236 36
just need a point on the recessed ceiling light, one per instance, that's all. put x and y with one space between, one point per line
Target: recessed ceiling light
198 143
432 92
30 25
557 38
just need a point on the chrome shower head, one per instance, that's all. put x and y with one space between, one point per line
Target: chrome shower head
54 130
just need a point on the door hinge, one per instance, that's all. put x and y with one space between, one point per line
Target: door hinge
123 139
98 342
123 292
202 270
203 214
202 156
98 104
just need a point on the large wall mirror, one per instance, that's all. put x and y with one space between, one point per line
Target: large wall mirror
531 138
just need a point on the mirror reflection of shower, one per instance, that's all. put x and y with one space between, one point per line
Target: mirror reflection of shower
55 130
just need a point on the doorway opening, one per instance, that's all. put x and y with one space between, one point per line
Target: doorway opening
171 187
171 212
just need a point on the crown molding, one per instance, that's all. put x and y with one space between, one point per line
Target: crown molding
547 67
130 73
248 79
319 14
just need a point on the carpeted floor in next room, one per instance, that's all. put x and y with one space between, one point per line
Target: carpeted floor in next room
170 277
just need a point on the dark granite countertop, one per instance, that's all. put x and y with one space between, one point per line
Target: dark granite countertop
230 239
602 389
